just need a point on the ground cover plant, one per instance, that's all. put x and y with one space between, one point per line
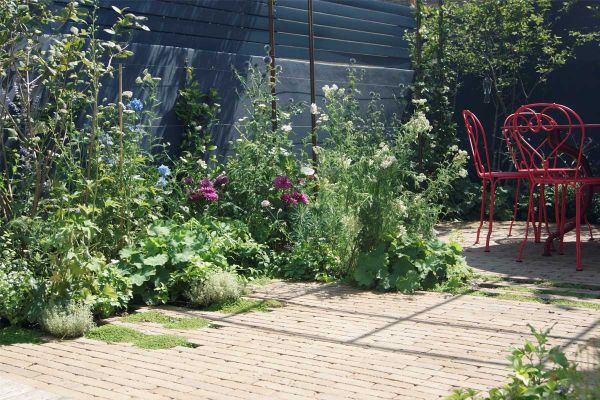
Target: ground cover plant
14 335
244 305
167 321
120 334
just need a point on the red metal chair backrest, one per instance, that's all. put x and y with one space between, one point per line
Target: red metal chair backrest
541 132
478 143
513 147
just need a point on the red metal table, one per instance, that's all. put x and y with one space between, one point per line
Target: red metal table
567 149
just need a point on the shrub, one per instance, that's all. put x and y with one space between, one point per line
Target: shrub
70 321
217 287
15 292
170 256
539 373
411 263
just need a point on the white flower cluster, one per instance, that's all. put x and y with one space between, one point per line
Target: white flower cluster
384 156
333 90
418 123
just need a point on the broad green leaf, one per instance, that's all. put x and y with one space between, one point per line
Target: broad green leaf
157 260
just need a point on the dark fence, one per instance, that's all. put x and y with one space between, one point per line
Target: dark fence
212 36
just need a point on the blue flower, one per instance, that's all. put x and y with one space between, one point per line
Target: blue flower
136 105
162 182
164 171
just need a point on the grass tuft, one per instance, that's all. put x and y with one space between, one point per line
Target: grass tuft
121 334
155 342
114 334
167 321
15 335
244 305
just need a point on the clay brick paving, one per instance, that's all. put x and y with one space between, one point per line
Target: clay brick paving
328 342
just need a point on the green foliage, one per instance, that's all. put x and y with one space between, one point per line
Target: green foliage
121 334
411 263
16 283
198 111
167 321
15 335
244 305
216 287
261 154
70 321
170 257
538 373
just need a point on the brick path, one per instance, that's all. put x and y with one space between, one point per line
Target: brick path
328 342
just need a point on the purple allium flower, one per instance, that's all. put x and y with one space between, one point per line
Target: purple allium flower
195 195
282 182
288 199
205 183
210 195
221 180
300 197
188 180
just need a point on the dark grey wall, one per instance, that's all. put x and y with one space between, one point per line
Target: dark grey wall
214 35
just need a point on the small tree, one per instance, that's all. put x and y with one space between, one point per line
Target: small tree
512 44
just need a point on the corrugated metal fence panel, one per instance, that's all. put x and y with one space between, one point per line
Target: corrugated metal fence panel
364 30
213 36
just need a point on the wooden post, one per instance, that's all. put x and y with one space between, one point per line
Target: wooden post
272 55
313 95
121 133
417 68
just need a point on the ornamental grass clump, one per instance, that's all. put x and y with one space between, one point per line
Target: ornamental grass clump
70 321
217 287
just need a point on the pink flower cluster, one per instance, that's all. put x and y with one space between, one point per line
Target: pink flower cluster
289 198
206 189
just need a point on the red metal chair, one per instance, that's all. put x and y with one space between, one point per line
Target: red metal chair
542 131
483 167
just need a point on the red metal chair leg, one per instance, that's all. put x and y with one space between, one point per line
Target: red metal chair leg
537 229
482 211
491 219
587 222
530 214
578 226
516 209
563 219
556 207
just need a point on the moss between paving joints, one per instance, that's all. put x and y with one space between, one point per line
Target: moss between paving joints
120 334
167 321
244 305
14 335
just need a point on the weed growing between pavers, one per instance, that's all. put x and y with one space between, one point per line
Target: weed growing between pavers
167 321
541 283
466 290
244 305
14 335
121 334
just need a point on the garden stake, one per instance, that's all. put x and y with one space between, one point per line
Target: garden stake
313 100
120 120
272 55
